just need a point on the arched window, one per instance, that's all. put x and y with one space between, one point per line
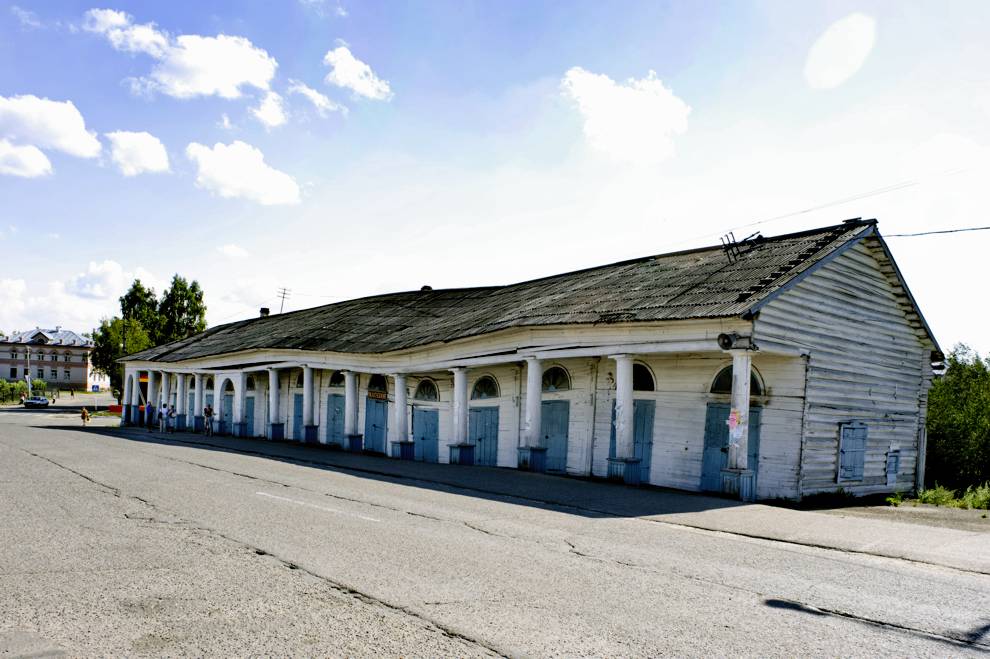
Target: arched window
377 383
209 383
337 379
642 378
250 383
299 380
228 387
555 378
723 383
426 390
192 383
485 387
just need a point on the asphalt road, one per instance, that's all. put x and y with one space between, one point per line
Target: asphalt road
115 543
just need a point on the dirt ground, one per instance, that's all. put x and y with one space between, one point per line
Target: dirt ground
924 514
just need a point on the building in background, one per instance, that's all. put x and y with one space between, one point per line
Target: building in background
58 356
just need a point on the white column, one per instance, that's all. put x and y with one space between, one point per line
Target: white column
623 406
460 410
152 391
307 395
166 387
240 393
180 393
399 411
273 396
534 401
350 403
742 363
198 393
135 396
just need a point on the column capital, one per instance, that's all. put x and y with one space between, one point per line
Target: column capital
621 357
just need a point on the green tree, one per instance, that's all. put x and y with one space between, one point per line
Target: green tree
114 339
959 422
181 312
140 304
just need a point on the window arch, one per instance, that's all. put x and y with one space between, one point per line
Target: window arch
191 381
299 380
209 383
485 387
556 378
722 384
228 386
427 390
377 382
250 383
337 379
643 378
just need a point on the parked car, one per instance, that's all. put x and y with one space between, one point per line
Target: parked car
36 401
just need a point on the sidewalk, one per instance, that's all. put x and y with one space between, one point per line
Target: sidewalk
963 550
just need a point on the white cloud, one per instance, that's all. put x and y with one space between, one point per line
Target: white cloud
26 161
840 51
632 122
271 110
321 9
225 122
233 251
239 170
351 73
47 124
12 301
188 65
27 18
101 281
321 102
137 152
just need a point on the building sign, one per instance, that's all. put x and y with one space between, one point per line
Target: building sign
377 395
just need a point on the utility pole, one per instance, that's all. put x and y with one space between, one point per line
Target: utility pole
27 376
283 293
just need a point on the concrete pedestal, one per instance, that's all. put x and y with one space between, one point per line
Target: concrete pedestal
240 429
740 483
626 470
404 450
276 430
125 415
533 458
311 434
180 422
355 443
462 454
198 424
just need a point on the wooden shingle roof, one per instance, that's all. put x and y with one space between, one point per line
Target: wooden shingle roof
699 283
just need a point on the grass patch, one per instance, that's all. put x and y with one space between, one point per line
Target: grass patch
974 497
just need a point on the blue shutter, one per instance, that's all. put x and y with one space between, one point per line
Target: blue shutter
852 451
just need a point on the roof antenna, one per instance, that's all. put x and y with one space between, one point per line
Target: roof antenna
730 247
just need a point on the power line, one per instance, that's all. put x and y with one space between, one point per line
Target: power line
930 233
283 293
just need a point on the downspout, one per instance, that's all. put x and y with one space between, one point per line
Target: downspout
804 428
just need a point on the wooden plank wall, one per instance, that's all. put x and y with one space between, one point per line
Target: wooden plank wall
867 363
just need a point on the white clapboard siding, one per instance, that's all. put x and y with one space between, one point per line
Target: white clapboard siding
869 361
682 395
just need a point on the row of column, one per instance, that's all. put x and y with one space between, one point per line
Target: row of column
532 427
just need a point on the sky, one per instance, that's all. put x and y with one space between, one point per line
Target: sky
347 148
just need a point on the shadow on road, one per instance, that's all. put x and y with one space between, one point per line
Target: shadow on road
581 496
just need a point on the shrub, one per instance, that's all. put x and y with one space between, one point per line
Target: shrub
976 497
937 496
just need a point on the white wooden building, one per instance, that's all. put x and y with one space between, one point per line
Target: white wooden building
782 367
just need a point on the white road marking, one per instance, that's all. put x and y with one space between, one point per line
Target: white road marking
313 505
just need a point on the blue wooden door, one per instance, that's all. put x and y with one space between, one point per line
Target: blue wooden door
208 401
553 426
249 416
375 424
644 412
335 419
483 432
426 434
297 420
715 457
227 414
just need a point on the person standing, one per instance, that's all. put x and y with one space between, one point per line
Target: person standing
208 420
171 419
85 416
162 417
